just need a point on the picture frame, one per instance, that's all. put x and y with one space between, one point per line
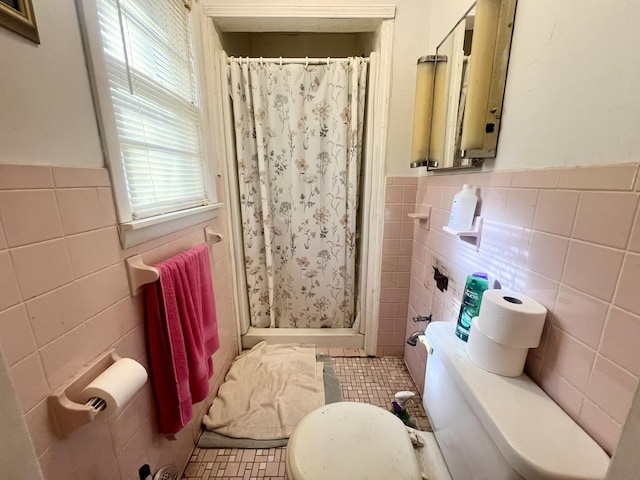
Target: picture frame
18 16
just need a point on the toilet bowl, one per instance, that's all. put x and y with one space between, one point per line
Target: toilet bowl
486 427
349 440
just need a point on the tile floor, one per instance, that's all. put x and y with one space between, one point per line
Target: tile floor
363 379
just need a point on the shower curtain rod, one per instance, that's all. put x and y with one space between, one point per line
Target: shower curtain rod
280 60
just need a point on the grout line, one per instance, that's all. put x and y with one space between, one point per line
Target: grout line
635 225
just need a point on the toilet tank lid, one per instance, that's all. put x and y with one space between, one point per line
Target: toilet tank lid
533 433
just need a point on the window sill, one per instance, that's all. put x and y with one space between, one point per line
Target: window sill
140 231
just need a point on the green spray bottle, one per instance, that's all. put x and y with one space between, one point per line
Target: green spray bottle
473 290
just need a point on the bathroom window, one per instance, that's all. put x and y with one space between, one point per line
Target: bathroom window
145 79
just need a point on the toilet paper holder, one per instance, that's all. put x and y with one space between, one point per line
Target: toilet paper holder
67 411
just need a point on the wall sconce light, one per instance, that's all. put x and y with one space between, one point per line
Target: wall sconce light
422 110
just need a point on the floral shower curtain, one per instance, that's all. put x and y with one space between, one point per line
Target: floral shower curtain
298 144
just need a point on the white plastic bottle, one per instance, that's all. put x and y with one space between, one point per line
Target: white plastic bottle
463 209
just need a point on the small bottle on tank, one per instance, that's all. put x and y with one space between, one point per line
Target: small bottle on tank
474 288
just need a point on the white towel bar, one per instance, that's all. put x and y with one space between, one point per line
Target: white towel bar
139 273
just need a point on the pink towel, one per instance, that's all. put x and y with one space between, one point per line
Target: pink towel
183 334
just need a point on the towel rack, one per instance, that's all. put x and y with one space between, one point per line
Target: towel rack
212 237
139 273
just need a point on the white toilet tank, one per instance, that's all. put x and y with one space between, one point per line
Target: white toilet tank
498 428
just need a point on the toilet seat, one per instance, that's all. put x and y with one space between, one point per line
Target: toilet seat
348 440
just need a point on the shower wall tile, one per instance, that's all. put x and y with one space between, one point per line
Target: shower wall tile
129 420
89 442
393 212
569 238
555 211
394 194
500 179
634 241
79 209
593 269
392 231
543 178
55 313
69 177
41 267
546 254
387 311
621 338
400 199
388 279
3 241
494 204
132 344
543 289
581 316
389 263
18 177
602 428
605 218
65 356
611 388
29 381
102 289
15 330
106 328
55 462
405 246
568 397
409 194
627 294
520 208
64 300
9 291
404 261
107 207
619 177
41 428
93 251
570 358
29 216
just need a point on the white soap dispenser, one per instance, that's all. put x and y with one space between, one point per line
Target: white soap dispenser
463 209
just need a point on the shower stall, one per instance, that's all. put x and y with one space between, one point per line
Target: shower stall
304 172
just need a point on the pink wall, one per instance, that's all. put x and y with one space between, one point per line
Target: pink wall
570 238
64 300
400 198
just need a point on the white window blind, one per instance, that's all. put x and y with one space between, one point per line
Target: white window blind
152 77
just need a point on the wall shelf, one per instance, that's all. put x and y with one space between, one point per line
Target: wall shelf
469 237
423 216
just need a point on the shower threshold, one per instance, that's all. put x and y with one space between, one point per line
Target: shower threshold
320 337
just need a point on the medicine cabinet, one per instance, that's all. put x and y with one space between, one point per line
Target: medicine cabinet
460 90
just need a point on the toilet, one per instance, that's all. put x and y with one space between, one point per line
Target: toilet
486 427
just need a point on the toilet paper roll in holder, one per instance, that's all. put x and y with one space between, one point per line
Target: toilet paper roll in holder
67 410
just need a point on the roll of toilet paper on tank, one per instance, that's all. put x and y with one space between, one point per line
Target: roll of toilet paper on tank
493 356
511 318
117 384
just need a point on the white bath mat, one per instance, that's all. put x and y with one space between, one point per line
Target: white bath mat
267 392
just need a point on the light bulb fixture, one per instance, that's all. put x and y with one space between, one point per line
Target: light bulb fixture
422 110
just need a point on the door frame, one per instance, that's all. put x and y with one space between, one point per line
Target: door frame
377 19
